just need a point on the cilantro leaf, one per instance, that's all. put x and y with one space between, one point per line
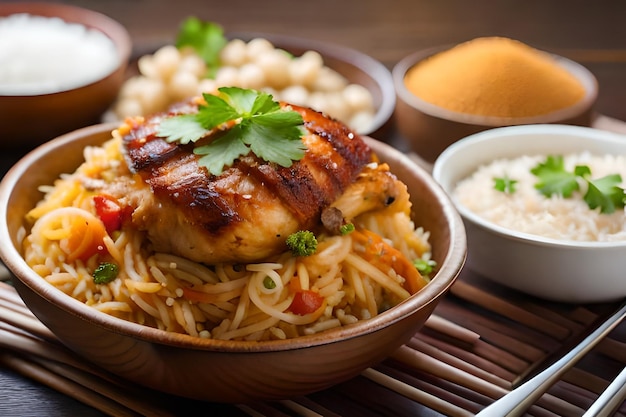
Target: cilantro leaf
249 101
222 152
184 129
256 123
605 193
215 112
554 179
274 143
206 38
505 184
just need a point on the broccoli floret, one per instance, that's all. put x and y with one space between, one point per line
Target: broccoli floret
302 243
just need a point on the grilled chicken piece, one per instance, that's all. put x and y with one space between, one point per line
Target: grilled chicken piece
375 188
246 213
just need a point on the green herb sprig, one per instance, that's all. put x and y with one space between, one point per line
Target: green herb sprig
205 38
260 126
553 179
505 184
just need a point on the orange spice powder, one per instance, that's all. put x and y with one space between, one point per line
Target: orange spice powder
494 76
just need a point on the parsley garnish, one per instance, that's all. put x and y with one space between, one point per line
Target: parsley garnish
603 193
207 40
505 184
260 126
554 179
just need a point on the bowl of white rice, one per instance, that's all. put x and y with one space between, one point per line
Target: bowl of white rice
61 68
543 207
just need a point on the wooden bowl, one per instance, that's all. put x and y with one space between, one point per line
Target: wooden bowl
29 120
355 66
213 370
429 129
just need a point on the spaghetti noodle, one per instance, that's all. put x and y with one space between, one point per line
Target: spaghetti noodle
356 275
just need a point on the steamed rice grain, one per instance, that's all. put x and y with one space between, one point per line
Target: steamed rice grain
528 211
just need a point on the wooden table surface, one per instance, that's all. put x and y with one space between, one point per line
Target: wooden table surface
592 33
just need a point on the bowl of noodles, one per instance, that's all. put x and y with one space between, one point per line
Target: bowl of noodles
230 331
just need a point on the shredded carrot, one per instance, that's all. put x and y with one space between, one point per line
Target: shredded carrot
85 239
379 253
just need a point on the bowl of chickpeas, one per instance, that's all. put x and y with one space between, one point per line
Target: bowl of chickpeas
343 83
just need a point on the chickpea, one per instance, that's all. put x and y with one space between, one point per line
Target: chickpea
305 69
336 106
129 106
206 85
193 64
251 76
234 53
275 65
361 121
154 96
170 75
147 66
227 76
329 80
256 47
182 85
166 60
358 97
295 94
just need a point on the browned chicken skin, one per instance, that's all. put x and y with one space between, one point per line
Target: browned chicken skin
246 213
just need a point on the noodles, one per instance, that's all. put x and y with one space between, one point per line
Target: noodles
351 277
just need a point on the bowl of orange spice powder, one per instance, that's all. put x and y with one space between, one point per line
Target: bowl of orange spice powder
447 93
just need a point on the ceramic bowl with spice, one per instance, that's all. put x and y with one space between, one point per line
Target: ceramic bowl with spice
64 66
447 93
544 208
206 367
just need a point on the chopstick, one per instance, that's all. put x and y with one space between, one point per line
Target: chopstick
415 394
36 372
445 326
610 399
517 401
30 349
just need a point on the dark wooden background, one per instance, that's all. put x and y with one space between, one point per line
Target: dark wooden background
590 32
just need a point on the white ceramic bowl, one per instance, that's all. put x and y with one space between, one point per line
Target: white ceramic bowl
565 271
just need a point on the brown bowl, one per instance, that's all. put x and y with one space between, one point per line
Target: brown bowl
429 129
213 370
28 120
355 66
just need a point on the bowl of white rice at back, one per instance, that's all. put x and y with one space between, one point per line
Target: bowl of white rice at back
525 230
61 67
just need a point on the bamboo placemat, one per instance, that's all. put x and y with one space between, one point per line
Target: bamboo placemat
481 342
